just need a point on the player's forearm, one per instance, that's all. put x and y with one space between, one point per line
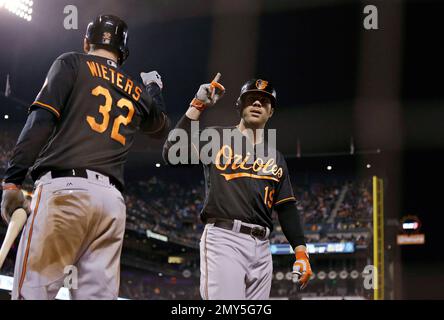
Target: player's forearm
156 94
164 128
207 95
160 131
34 136
193 114
290 221
158 124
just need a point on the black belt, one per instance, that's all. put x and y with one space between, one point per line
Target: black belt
80 173
257 232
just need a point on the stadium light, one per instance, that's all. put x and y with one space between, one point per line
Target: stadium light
410 225
157 165
329 168
21 8
343 274
368 166
354 274
186 273
6 117
322 275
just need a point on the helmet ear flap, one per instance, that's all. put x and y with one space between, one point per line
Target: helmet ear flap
238 105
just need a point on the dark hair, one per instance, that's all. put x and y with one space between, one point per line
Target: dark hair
104 47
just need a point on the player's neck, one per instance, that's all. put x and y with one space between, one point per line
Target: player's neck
104 54
254 133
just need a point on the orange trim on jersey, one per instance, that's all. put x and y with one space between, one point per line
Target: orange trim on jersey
49 107
25 259
285 200
231 176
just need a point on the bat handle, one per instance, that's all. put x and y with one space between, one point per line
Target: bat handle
15 225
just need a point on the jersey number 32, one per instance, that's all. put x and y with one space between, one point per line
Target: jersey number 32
105 109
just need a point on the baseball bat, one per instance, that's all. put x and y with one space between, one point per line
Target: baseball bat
15 225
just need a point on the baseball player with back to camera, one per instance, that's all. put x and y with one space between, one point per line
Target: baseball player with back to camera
236 261
75 142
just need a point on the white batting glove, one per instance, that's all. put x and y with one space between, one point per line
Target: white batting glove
208 94
150 77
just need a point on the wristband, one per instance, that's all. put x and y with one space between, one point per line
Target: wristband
301 254
198 104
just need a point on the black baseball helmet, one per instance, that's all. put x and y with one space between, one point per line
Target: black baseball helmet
258 85
111 32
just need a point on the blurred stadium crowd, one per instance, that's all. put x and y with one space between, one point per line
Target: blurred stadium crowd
6 146
331 212
335 210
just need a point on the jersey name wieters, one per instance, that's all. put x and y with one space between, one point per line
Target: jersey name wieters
99 109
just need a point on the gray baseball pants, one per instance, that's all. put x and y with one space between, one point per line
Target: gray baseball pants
233 265
73 238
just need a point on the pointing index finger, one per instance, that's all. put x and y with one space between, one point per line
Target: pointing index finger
217 77
215 83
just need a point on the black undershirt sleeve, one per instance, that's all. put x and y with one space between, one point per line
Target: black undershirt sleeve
157 125
290 221
184 124
34 136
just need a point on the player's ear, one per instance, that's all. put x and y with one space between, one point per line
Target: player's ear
86 46
271 112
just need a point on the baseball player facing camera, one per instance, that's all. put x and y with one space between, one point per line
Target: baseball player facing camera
242 190
75 142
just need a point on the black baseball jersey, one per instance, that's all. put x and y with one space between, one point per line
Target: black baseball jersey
99 109
244 185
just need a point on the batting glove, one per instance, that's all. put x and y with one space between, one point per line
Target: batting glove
12 199
301 268
151 77
208 94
